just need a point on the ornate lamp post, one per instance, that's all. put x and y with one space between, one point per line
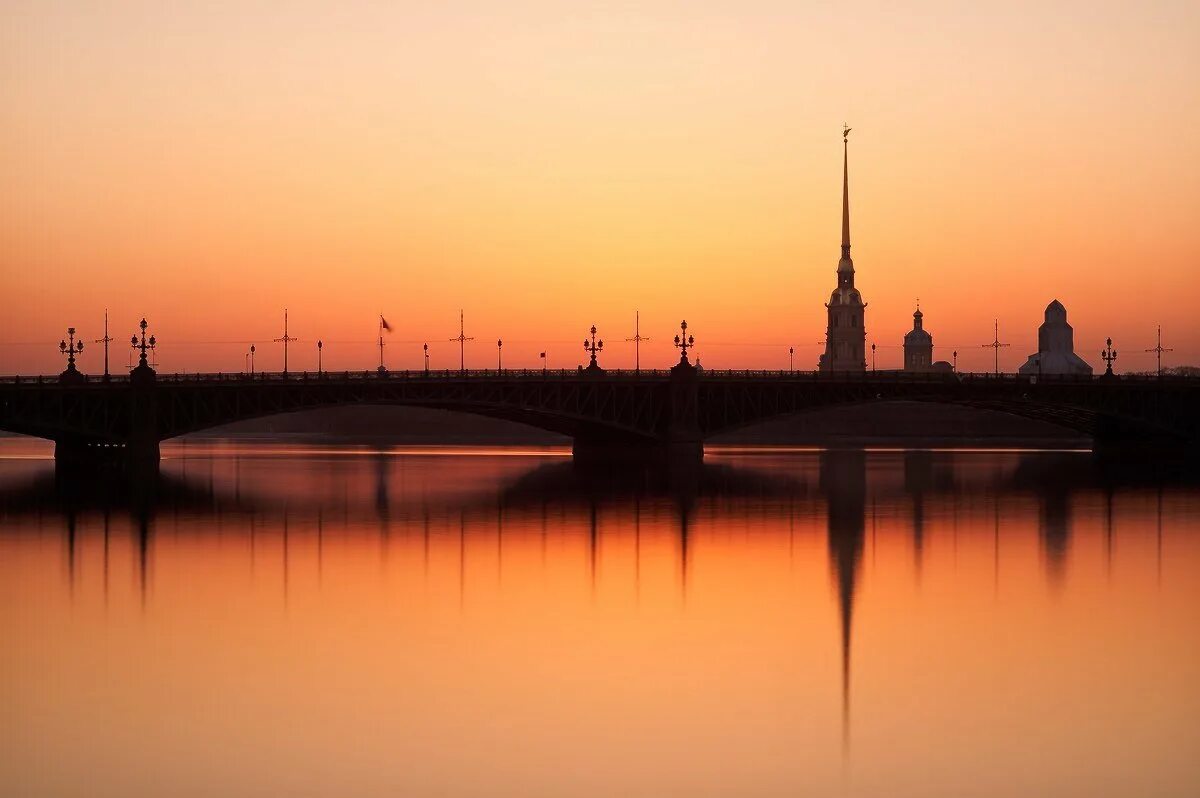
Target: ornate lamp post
70 348
320 346
684 342
426 348
1109 355
593 348
872 357
954 354
791 358
499 362
251 360
143 371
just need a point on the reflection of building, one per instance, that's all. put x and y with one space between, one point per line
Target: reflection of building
1056 346
845 336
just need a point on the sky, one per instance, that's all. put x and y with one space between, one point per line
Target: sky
549 166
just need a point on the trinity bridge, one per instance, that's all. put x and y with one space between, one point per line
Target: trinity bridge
654 415
640 414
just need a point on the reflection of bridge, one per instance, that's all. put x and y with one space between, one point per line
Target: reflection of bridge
604 412
841 490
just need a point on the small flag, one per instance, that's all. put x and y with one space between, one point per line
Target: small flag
383 323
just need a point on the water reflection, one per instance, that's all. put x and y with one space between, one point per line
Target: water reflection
695 562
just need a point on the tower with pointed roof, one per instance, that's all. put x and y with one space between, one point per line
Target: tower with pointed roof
845 334
1056 347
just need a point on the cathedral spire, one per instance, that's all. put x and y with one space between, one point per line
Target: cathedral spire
846 264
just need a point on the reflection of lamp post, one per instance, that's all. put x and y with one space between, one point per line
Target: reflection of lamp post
320 346
70 349
1109 355
592 348
684 342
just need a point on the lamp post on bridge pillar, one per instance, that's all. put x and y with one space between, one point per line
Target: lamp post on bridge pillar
320 346
426 348
593 348
791 358
71 349
499 362
251 360
684 342
142 373
1109 355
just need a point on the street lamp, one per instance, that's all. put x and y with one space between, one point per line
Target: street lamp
592 348
1109 355
955 354
70 349
251 360
499 362
791 358
872 357
320 346
426 348
684 342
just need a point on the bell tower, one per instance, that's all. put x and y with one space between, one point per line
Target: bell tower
845 333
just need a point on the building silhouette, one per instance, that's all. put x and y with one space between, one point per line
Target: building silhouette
918 345
1056 346
845 335
918 348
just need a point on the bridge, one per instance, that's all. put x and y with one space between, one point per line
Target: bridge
609 414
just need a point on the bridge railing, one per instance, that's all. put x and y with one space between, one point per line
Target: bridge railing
785 375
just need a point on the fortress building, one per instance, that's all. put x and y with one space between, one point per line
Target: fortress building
1056 347
845 335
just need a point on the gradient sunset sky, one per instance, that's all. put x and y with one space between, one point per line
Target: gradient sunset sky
546 166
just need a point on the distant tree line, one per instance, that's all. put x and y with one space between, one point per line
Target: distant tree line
1173 371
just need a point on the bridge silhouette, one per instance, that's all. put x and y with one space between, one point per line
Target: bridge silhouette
644 415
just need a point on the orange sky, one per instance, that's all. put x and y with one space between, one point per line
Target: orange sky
552 165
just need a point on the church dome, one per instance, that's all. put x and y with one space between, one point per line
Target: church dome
1055 311
918 337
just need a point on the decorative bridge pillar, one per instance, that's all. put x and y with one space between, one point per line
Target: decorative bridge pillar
683 440
141 448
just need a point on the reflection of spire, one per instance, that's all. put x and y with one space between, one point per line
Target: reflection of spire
843 480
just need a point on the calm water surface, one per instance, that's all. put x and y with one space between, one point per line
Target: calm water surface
272 620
